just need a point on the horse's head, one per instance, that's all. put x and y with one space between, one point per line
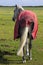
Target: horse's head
17 11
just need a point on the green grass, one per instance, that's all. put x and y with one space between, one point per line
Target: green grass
8 47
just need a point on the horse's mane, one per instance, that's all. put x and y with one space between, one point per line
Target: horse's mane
17 11
19 7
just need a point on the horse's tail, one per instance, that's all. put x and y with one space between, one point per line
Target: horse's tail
23 41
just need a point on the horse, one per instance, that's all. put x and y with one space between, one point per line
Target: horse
26 28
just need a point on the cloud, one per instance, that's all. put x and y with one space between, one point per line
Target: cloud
21 2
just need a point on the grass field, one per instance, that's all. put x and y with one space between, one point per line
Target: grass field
8 47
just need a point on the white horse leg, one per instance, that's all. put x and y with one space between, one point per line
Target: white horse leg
30 51
30 42
27 47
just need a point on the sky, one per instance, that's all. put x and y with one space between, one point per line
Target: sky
21 2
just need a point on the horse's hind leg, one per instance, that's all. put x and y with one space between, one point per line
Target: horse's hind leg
30 41
24 59
25 51
27 47
30 50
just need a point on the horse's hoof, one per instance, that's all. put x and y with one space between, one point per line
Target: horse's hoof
24 61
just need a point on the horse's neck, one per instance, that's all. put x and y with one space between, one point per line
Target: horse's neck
20 12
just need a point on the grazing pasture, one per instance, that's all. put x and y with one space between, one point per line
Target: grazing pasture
8 47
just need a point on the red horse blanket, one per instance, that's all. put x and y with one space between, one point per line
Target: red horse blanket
28 17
